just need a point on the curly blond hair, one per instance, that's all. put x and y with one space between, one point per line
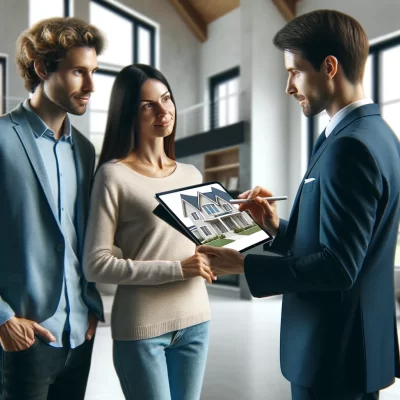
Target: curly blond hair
49 40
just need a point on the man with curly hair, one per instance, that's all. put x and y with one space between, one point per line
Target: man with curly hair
48 311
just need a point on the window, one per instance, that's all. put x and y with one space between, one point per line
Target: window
224 98
210 209
195 216
41 9
206 231
226 207
129 40
385 94
230 224
389 95
3 80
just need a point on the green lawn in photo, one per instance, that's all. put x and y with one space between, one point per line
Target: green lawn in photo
250 231
219 242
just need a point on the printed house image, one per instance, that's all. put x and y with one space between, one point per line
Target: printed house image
213 216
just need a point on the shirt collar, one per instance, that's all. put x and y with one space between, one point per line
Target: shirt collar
341 114
40 128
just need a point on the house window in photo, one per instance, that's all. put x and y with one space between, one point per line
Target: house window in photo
226 207
210 209
206 231
195 216
230 224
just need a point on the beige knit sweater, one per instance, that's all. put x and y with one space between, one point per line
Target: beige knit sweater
152 297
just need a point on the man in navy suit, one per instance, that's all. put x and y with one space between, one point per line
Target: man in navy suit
48 311
336 269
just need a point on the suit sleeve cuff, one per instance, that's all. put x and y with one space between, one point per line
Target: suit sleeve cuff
278 244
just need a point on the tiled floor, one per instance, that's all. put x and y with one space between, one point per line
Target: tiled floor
243 362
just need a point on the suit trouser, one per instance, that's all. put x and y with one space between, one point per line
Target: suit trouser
43 372
303 393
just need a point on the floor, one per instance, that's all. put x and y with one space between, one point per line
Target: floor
243 361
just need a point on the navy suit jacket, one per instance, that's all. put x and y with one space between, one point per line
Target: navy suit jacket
338 327
32 245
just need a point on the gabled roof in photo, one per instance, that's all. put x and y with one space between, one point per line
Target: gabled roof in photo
194 200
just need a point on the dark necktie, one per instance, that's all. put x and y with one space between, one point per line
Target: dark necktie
318 143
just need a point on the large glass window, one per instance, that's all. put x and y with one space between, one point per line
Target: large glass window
41 9
224 98
3 80
389 97
129 40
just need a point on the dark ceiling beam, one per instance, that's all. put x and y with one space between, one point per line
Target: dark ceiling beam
191 18
287 8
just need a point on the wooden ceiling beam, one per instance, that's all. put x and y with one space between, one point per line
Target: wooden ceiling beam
191 18
287 8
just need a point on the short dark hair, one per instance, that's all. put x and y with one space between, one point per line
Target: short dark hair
323 33
49 40
122 122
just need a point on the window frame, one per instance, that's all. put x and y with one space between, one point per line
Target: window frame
3 95
137 23
227 207
67 8
205 230
214 82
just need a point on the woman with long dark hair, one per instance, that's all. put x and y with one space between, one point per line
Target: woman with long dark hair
160 316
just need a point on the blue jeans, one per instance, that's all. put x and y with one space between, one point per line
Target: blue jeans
166 367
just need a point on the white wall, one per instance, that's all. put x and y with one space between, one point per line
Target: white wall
264 74
221 51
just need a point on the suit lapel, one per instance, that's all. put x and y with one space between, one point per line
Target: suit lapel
26 136
360 112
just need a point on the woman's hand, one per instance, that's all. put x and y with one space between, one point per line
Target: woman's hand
197 265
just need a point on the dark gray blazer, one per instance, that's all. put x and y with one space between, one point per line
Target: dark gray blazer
31 243
337 275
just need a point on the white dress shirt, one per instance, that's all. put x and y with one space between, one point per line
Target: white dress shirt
341 114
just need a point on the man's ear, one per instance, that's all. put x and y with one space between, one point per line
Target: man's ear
331 66
40 69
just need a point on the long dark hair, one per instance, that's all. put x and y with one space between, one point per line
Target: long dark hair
122 121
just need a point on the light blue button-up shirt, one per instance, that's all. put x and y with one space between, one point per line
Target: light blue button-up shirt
58 158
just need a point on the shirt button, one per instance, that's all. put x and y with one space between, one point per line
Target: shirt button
60 247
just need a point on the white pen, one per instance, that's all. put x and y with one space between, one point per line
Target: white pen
240 201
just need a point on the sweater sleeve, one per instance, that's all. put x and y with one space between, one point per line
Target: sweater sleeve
99 262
